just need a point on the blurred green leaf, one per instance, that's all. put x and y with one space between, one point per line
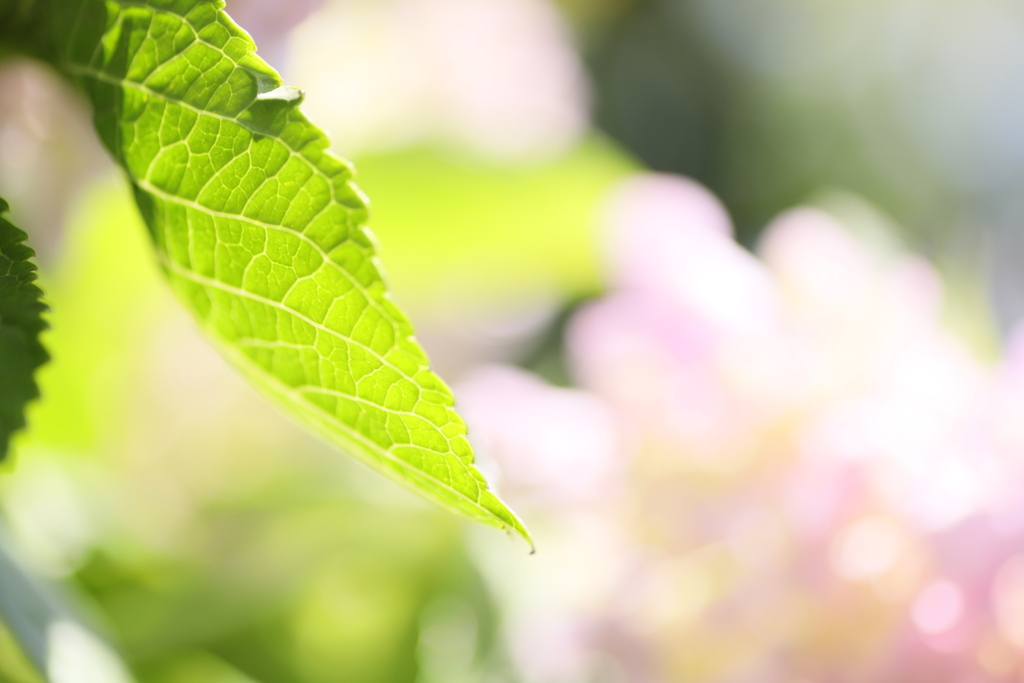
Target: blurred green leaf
462 232
21 322
107 298
262 233
61 649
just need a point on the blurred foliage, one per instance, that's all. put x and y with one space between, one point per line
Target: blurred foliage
14 666
461 232
676 83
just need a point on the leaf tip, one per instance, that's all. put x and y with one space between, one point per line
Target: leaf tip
511 523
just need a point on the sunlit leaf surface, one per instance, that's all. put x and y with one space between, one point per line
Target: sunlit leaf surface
262 234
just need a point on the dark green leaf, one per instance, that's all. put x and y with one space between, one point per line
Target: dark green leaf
21 322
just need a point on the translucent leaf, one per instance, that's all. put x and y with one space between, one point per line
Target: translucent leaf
263 233
21 322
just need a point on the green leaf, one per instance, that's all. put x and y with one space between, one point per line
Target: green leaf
263 233
21 322
57 644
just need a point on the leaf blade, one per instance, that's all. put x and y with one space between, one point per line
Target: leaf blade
263 234
21 323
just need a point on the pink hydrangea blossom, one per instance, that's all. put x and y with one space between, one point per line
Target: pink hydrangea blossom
787 467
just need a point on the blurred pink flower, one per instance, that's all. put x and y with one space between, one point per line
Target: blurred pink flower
813 479
561 445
